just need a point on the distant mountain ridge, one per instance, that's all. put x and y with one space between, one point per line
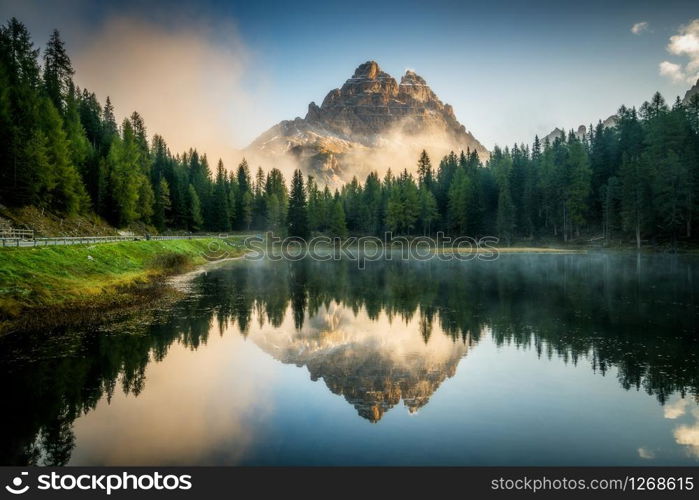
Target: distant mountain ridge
612 120
370 112
580 132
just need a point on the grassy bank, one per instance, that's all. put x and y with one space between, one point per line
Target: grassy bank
90 276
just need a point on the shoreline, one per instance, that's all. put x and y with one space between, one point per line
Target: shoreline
91 301
49 287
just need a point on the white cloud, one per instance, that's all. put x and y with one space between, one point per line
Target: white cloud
672 71
639 28
646 453
684 44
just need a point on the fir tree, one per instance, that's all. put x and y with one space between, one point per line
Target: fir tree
58 71
298 211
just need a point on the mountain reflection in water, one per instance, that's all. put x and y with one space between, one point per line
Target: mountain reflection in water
394 332
373 364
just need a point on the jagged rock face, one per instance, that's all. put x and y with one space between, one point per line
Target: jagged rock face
693 91
370 111
372 102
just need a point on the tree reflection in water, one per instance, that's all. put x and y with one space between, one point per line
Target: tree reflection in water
637 315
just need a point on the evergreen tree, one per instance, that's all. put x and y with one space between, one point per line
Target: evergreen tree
298 211
352 196
20 105
372 202
424 171
276 201
64 190
459 201
221 217
315 206
403 205
245 209
578 188
259 202
635 198
502 166
244 199
80 148
337 224
195 219
58 71
428 209
162 206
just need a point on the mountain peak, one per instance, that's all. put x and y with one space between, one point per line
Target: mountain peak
370 112
412 78
369 70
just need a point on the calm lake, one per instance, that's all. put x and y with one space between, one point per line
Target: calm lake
589 359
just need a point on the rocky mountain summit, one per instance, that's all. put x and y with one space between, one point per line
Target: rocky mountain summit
370 113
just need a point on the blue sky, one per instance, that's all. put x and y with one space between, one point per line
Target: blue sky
509 69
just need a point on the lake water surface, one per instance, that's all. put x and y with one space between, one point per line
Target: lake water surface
589 359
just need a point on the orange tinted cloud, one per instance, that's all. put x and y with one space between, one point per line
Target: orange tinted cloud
185 78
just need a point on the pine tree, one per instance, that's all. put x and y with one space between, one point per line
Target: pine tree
146 199
221 212
635 198
352 195
315 208
428 209
424 171
276 201
195 219
245 210
109 126
403 205
298 211
58 71
274 218
259 202
578 187
19 72
64 190
610 197
505 223
445 173
80 148
372 200
244 199
163 205
337 224
37 180
459 201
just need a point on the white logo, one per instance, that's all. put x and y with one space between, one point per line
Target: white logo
17 482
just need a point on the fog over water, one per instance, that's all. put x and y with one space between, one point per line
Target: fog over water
530 359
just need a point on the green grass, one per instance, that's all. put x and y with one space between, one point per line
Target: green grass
51 276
